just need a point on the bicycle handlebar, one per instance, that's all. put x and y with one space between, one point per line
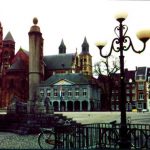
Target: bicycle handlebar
67 123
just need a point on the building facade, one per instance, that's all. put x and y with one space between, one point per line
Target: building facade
137 90
23 72
71 92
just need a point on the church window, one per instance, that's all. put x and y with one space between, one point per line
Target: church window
12 46
5 45
84 59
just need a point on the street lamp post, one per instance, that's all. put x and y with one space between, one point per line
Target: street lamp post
119 44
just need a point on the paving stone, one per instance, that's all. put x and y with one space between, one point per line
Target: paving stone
15 141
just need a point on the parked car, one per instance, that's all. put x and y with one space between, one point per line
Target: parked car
145 110
134 110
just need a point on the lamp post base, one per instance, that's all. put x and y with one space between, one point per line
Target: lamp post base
124 138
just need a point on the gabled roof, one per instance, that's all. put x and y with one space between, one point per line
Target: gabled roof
61 61
63 82
9 37
76 78
141 73
23 54
19 65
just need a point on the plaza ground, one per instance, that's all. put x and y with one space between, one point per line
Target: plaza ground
15 141
106 117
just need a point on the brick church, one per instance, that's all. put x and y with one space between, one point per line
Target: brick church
17 68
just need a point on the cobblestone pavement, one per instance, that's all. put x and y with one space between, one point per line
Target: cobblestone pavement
15 141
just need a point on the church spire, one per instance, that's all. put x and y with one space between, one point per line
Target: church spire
62 48
85 46
9 37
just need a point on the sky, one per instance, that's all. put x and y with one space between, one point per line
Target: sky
72 20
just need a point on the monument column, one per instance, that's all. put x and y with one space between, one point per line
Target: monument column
35 44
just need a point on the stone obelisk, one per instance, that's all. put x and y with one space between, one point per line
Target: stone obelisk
35 44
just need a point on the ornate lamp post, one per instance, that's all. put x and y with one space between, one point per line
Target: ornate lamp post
119 44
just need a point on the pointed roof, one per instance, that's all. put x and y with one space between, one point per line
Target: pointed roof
85 40
9 37
22 54
25 51
62 47
62 43
85 46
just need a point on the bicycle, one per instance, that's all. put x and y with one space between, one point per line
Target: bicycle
62 136
110 136
138 138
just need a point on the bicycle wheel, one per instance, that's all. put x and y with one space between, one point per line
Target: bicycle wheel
110 139
46 140
137 138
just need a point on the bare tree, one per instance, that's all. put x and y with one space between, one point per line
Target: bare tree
105 69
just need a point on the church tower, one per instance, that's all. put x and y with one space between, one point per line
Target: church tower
35 63
8 52
85 59
62 48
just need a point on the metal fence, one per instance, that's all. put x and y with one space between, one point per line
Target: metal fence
103 135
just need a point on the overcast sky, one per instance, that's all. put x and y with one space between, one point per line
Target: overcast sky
72 20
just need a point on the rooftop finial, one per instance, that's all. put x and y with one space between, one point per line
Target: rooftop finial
35 21
35 27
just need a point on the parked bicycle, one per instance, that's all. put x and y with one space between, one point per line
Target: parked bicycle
111 138
139 139
63 136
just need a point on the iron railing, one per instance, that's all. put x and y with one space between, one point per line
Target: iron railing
101 135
